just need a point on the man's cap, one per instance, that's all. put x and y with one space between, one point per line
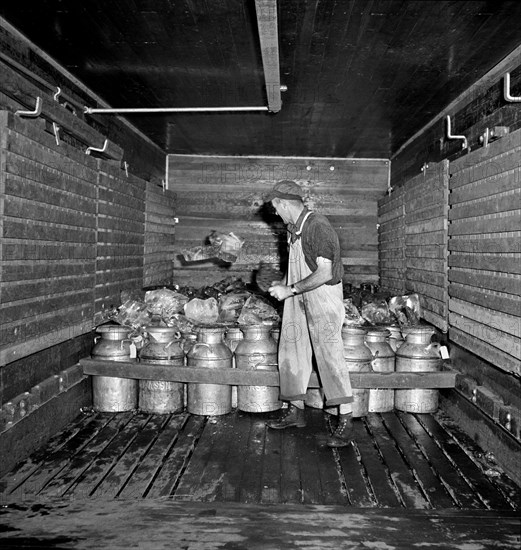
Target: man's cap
285 189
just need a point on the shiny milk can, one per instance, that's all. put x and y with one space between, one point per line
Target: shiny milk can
257 351
109 393
380 400
418 354
209 351
357 357
162 348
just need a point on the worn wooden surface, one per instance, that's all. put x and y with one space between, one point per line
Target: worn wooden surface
397 460
442 379
165 524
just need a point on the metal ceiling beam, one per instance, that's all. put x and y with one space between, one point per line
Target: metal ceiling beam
269 42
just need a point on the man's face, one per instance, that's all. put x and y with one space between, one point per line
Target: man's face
281 209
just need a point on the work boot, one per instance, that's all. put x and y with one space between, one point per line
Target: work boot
343 435
292 417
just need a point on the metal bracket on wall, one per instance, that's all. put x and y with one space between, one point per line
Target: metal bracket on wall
97 149
464 144
506 91
56 130
37 110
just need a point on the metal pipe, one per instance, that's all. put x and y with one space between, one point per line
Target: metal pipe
506 91
37 110
92 111
464 145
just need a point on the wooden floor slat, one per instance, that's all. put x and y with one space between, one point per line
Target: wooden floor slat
55 461
71 474
455 484
493 499
145 473
397 460
382 486
178 457
403 477
438 496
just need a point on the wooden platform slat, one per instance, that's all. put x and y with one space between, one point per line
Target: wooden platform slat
381 483
432 486
178 457
143 476
403 477
137 448
250 488
85 484
482 485
455 484
397 460
122 369
321 478
56 461
25 469
70 475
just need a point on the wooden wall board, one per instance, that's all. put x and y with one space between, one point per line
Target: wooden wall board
485 254
160 235
391 241
120 235
413 241
40 205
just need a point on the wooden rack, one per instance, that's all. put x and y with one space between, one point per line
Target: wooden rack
239 377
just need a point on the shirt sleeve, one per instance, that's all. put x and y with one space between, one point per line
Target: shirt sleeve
323 241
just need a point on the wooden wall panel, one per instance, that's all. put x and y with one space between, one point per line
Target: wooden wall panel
120 235
160 209
391 241
426 207
225 194
485 252
48 235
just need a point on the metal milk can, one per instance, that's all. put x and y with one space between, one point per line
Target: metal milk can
209 351
357 358
257 351
113 394
162 348
418 354
380 400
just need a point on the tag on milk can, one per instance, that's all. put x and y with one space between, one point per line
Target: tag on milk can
133 350
444 352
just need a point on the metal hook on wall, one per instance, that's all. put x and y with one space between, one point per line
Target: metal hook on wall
97 149
37 110
57 94
506 91
465 144
56 130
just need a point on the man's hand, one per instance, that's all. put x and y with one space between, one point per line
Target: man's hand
280 291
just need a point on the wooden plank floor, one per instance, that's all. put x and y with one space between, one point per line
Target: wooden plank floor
398 460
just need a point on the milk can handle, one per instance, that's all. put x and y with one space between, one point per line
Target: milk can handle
96 339
202 344
125 340
433 345
170 343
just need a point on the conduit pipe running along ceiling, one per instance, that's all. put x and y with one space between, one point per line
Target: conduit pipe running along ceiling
266 11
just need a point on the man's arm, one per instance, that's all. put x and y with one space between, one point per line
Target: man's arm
320 276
